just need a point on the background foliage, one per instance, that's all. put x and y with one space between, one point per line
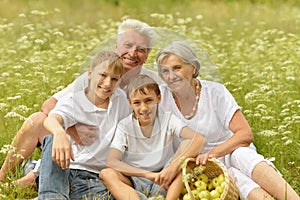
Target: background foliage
254 46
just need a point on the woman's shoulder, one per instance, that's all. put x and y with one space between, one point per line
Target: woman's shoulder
206 83
212 87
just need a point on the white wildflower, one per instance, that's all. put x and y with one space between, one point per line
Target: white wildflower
39 41
58 33
18 67
199 17
5 74
11 51
180 21
285 138
15 115
290 78
57 10
268 133
272 159
38 12
14 98
22 15
6 148
24 108
60 72
288 142
261 106
3 105
23 38
29 26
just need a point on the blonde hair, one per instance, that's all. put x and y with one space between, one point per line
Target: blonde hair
114 63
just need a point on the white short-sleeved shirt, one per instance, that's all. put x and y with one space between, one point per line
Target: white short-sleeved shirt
75 108
216 108
82 82
152 153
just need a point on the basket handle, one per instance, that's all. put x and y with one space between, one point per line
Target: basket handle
186 184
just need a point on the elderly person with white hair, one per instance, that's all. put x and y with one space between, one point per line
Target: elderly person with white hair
210 109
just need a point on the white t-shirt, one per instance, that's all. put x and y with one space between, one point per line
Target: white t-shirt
75 108
216 108
152 153
82 82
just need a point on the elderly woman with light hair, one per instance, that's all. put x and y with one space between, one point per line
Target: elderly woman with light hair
210 109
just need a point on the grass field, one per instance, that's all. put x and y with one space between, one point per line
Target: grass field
253 47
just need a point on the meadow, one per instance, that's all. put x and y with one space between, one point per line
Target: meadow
252 47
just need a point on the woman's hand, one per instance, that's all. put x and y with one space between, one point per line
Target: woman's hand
201 159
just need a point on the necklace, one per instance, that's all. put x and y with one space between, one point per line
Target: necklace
197 93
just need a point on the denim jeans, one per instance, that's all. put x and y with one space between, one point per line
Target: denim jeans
146 188
55 183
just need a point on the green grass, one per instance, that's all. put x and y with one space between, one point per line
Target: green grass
253 48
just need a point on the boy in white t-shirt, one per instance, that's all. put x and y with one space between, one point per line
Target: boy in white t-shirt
140 152
100 105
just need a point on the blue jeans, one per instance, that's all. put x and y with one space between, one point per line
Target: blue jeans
55 183
146 188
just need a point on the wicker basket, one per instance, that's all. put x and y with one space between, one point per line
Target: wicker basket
213 168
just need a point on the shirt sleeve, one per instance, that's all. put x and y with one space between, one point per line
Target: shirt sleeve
119 142
176 125
226 106
65 108
78 84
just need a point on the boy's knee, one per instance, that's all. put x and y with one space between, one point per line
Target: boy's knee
37 118
107 173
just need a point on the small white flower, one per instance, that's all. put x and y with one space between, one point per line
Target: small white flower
288 142
14 98
199 17
58 33
22 15
39 41
5 74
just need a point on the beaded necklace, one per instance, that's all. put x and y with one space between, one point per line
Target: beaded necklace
197 93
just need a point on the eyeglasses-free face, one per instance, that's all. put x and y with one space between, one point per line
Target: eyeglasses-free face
176 73
133 48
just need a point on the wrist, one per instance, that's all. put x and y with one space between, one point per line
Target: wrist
214 153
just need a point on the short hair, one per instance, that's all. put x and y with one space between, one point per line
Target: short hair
183 51
140 83
140 27
114 62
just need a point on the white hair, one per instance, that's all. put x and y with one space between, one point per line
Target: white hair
183 51
140 27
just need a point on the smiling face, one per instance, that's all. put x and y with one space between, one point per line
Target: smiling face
144 104
133 48
103 80
176 73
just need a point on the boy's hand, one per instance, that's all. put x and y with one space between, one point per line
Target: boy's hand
62 151
166 176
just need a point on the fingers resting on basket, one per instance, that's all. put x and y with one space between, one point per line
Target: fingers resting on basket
201 159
